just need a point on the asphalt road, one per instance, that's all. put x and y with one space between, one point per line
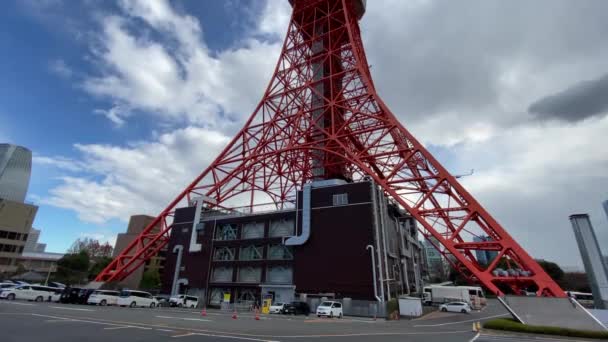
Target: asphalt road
48 322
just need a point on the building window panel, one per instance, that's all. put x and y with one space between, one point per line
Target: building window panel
340 199
249 275
279 275
282 227
223 254
222 275
253 230
226 232
280 252
251 253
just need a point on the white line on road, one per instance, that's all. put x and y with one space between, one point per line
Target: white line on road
183 335
234 337
475 338
186 318
459 322
14 303
166 330
74 309
116 328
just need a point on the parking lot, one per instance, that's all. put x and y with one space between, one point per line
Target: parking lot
30 321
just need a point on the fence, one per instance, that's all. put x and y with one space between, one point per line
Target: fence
350 307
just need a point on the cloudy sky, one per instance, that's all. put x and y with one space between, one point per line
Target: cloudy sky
124 103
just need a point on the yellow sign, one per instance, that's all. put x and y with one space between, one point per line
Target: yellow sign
266 305
227 297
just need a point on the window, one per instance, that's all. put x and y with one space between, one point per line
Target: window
251 253
340 199
249 275
253 230
282 227
280 252
222 274
12 235
226 232
20 249
279 275
3 234
24 237
223 254
337 305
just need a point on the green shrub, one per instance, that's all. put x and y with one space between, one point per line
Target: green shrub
391 306
512 325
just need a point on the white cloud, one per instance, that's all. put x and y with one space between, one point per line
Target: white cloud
60 68
142 177
176 77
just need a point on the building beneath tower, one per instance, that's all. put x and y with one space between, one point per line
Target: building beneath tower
341 240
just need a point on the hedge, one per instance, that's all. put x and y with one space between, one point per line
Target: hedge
512 325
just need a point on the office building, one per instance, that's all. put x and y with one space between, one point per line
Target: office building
435 266
339 240
605 205
43 263
484 257
16 220
592 259
15 170
137 223
32 244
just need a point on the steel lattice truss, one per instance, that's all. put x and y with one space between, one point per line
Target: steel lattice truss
321 117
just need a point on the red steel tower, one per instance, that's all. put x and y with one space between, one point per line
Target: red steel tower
321 118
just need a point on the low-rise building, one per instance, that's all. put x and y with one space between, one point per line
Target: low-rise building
16 220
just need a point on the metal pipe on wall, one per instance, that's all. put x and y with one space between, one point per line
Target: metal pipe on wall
374 272
377 233
179 249
382 206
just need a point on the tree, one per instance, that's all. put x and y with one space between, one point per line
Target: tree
92 247
98 266
552 269
150 279
73 268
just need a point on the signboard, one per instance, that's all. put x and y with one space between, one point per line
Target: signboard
227 297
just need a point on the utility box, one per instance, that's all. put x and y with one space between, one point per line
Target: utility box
410 306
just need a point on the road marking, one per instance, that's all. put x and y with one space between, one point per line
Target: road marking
186 318
183 335
459 322
166 330
58 320
14 303
234 337
475 338
116 328
74 309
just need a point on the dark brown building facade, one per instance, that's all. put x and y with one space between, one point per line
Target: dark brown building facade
324 248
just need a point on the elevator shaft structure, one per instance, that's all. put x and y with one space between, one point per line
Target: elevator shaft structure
321 118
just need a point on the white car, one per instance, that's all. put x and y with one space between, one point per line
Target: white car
133 298
455 307
6 285
103 297
29 292
184 301
330 309
277 308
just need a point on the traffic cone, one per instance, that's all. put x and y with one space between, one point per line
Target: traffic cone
257 315
204 312
234 314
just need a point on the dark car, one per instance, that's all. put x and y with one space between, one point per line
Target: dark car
297 308
83 295
70 295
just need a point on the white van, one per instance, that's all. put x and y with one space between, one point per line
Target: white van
330 309
30 292
133 298
184 301
103 297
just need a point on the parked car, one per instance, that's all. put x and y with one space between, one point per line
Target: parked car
83 295
184 301
70 295
7 285
297 308
277 308
103 297
163 300
27 292
330 309
133 298
455 307
57 285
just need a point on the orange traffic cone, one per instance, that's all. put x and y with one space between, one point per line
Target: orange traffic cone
234 314
204 312
257 315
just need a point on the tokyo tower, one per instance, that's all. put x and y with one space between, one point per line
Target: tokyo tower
321 118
